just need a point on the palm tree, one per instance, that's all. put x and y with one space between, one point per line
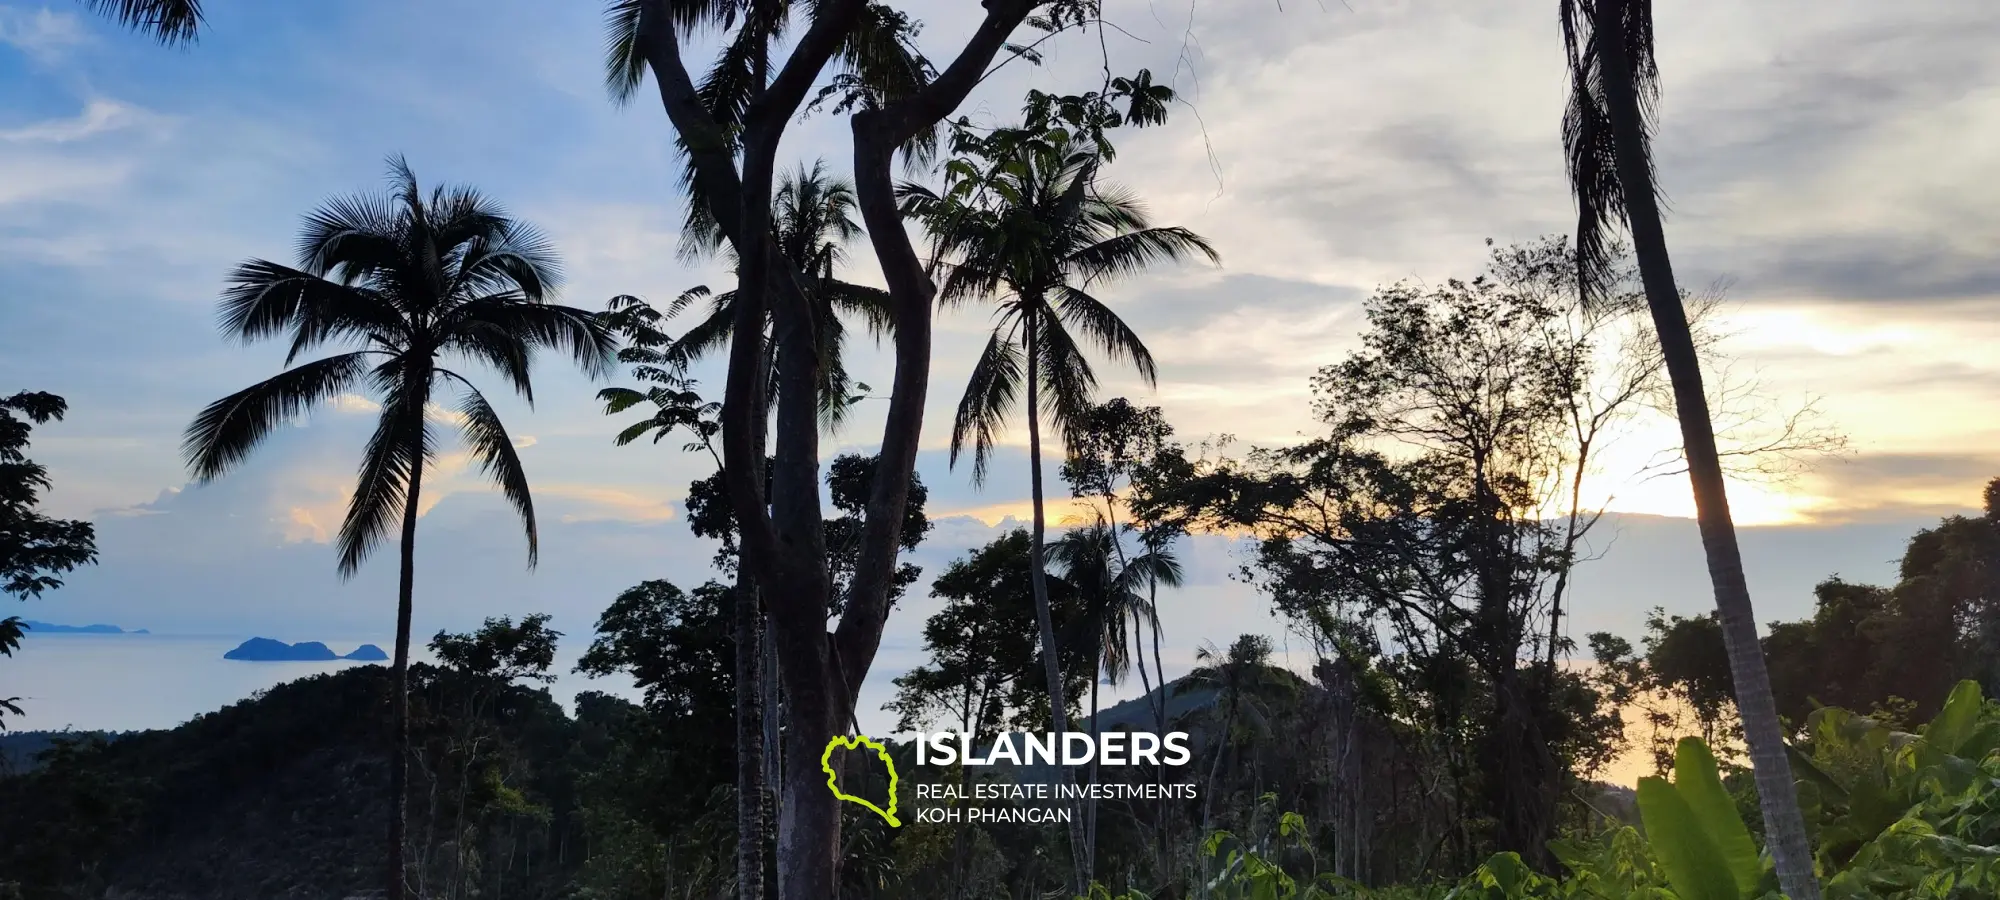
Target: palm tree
1607 132
1045 233
1116 592
812 216
410 281
812 213
1244 684
167 21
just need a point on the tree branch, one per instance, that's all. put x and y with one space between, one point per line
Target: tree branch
877 135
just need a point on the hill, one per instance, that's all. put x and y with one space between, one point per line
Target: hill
258 649
280 797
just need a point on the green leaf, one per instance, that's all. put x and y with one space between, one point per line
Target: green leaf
1509 873
1957 720
1700 785
1694 866
1805 769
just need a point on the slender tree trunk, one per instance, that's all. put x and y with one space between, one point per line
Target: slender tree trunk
1090 811
1776 793
1038 580
1146 684
750 741
1215 768
399 765
1160 712
774 770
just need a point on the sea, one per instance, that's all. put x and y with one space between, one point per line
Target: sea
137 682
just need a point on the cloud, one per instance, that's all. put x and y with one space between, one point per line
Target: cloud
355 404
99 116
1878 486
43 34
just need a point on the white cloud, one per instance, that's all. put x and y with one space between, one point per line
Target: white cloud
355 404
99 116
42 34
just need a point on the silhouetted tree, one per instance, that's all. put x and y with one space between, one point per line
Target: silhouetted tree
1035 231
413 281
34 548
1607 132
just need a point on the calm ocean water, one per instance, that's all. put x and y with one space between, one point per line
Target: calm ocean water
122 682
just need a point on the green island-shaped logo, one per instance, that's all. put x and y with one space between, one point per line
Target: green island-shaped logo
855 743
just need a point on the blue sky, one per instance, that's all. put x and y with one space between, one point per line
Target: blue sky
1835 162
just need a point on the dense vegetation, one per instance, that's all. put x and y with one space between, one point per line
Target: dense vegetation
512 797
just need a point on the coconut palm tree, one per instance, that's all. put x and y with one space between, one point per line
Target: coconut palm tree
812 213
1117 592
1037 234
167 21
412 282
1607 132
1245 687
812 216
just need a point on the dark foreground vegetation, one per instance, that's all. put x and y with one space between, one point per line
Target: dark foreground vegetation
1332 783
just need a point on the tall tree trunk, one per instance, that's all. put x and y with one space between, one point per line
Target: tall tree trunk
1090 810
774 770
1160 712
1776 793
782 543
750 802
399 765
1146 684
1215 768
1038 580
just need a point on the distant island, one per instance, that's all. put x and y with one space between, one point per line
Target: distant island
50 628
259 649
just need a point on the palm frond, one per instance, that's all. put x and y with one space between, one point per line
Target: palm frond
264 298
1067 380
1159 568
624 59
170 22
348 238
1104 328
487 438
499 349
1135 251
580 333
874 305
1587 140
395 453
513 257
707 336
461 214
989 397
225 431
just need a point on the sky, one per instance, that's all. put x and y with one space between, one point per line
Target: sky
1832 166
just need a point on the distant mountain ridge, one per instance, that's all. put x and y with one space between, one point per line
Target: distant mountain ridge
51 628
259 649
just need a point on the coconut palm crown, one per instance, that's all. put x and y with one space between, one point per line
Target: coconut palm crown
410 282
813 220
1044 235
